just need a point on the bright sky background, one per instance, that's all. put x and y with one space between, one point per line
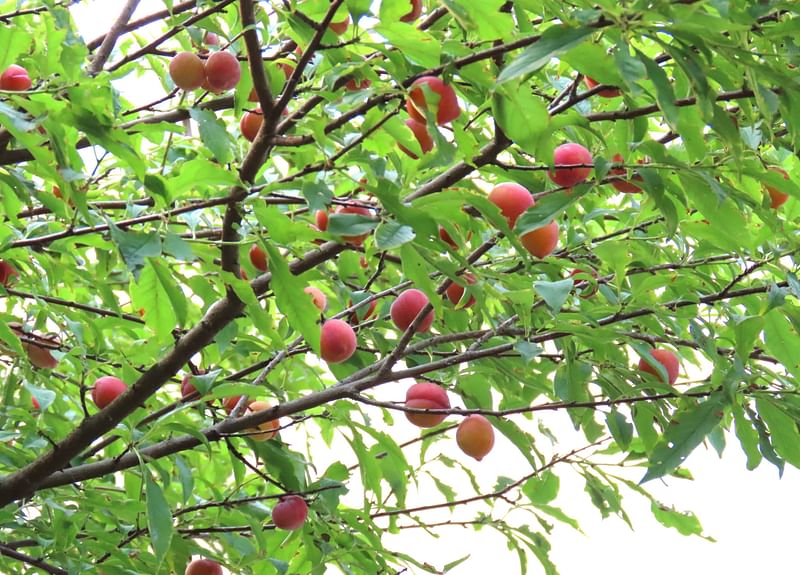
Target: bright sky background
752 515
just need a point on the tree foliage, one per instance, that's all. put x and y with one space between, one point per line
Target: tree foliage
126 230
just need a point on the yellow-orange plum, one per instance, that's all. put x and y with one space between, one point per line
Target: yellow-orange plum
187 71
475 436
542 241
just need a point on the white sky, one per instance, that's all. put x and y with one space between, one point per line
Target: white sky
752 515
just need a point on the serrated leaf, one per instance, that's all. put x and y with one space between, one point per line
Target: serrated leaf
159 518
689 428
392 234
214 134
554 41
300 311
554 293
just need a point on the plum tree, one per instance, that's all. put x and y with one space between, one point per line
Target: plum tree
318 297
203 567
475 436
187 70
776 197
569 155
15 79
106 389
512 199
290 513
222 71
337 341
445 108
258 257
456 291
264 431
164 193
420 131
667 359
542 241
407 307
607 93
424 395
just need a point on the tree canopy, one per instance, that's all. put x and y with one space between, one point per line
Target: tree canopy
386 236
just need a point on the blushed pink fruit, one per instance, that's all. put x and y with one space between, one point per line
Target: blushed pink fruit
666 358
106 389
203 567
446 108
426 395
222 71
512 199
290 513
15 79
455 291
337 342
317 297
566 155
420 131
407 306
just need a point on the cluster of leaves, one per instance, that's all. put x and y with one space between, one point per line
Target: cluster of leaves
136 266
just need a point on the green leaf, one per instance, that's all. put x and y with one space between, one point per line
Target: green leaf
351 224
688 429
748 437
782 429
555 40
548 209
686 523
300 311
159 518
554 293
512 102
392 235
214 134
135 247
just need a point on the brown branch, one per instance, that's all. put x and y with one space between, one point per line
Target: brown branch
145 20
110 39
